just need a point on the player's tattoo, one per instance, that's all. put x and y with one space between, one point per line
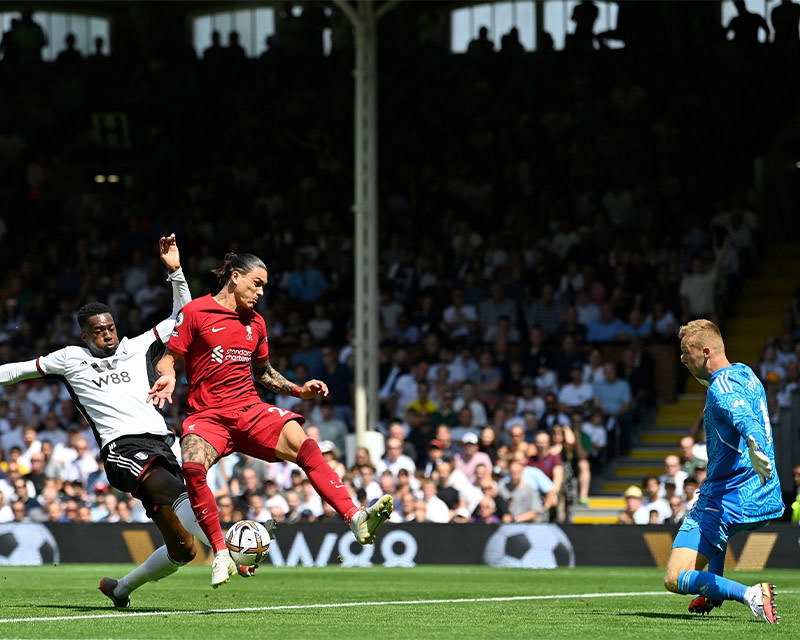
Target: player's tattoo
272 379
195 449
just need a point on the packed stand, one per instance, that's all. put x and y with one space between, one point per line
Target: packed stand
514 261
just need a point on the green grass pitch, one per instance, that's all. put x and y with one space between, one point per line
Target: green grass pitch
423 602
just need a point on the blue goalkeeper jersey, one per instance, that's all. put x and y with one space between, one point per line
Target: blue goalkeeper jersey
736 407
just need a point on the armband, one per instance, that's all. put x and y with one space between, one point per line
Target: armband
296 391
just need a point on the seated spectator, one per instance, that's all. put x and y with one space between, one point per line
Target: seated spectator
529 399
677 511
525 501
653 499
613 396
688 459
576 395
608 327
632 513
487 380
331 454
435 508
690 489
487 512
552 415
673 472
395 459
460 319
471 457
548 463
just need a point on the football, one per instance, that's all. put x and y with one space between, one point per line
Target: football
248 542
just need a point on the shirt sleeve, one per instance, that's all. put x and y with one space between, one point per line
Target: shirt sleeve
739 414
183 332
16 371
181 295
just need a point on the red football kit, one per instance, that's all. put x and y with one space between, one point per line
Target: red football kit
224 409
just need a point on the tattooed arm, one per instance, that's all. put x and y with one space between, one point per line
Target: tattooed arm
275 381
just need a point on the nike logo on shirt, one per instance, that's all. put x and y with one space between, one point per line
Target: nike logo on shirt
215 329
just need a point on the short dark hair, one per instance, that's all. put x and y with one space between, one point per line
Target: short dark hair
243 263
90 310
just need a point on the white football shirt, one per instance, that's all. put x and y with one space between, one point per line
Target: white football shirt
111 392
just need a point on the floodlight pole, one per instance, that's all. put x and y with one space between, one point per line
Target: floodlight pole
364 16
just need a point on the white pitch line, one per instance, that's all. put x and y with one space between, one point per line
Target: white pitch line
332 605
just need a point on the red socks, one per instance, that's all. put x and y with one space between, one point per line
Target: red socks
324 480
203 503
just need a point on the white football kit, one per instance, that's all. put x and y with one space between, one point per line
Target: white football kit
109 392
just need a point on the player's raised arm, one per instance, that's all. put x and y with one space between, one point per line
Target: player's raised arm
15 371
162 389
170 256
273 380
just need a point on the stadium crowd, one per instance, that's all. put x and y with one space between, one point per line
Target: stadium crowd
527 261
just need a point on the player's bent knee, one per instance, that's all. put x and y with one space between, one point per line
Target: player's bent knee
183 550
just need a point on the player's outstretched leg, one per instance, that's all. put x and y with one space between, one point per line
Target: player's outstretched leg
703 605
222 568
107 586
366 522
761 599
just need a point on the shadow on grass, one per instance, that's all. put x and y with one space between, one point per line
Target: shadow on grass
671 616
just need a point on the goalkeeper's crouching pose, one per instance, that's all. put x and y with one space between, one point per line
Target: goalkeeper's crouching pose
741 492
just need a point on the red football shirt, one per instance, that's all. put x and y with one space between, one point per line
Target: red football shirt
217 346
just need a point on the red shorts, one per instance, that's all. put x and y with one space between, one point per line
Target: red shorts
253 430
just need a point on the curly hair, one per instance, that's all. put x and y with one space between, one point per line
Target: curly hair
90 310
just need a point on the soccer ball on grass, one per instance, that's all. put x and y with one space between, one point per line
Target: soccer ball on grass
248 542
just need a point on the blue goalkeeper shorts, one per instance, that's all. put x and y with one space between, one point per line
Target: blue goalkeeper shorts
704 531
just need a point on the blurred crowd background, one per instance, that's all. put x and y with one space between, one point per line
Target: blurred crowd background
546 217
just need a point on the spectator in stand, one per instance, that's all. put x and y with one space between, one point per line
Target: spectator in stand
548 463
688 459
339 378
487 380
422 403
529 400
331 426
678 511
498 305
608 327
552 413
613 396
525 502
395 459
663 321
546 312
593 369
459 319
673 472
594 437
488 443
690 488
406 388
468 398
471 457
487 512
435 508
446 412
653 498
445 435
366 478
633 507
576 395
397 430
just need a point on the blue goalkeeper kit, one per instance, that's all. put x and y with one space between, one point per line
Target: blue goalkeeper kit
736 407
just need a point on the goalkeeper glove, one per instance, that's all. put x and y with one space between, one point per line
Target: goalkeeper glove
759 460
